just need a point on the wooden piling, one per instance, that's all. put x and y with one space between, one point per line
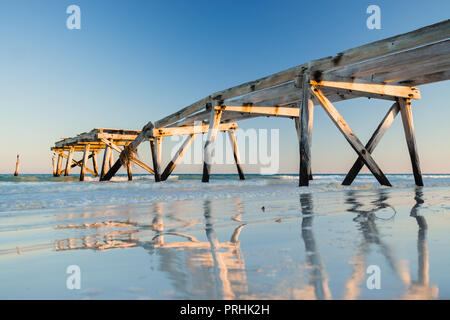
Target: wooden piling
129 171
156 167
16 172
209 144
69 162
54 164
84 163
237 159
58 165
408 126
94 162
306 125
106 164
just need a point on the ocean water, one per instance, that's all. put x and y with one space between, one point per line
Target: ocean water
262 238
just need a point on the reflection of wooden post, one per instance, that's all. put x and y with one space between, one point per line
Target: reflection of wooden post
408 126
209 144
58 165
84 164
69 162
106 161
16 173
54 164
237 159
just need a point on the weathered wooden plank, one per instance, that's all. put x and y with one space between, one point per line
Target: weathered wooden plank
305 137
84 163
173 163
236 156
416 38
395 61
270 111
351 137
382 89
372 143
408 126
209 144
188 130
427 78
69 162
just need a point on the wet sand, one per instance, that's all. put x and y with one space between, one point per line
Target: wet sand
277 241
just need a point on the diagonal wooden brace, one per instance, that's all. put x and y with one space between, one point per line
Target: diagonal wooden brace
372 143
348 133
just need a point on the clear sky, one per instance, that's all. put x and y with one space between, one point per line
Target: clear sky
135 61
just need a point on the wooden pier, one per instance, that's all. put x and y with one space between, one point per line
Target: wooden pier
390 69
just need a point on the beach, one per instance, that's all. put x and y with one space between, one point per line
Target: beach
262 238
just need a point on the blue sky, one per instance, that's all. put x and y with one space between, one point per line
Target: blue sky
135 61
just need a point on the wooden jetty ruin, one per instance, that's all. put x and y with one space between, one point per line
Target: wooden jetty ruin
389 69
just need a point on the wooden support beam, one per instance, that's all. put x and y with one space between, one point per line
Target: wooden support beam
372 143
158 141
156 167
408 126
77 163
306 126
145 133
173 163
106 165
111 160
94 162
237 159
270 111
69 162
137 161
129 171
383 89
350 136
84 163
59 163
188 130
209 144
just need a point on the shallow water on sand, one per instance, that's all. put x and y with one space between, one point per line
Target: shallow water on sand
259 238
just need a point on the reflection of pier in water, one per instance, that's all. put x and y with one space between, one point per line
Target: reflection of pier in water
366 220
214 269
210 268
